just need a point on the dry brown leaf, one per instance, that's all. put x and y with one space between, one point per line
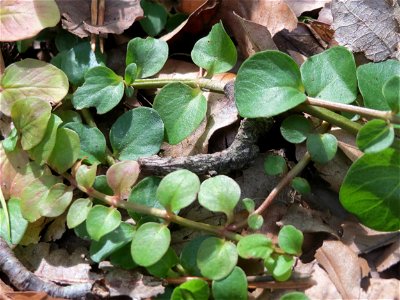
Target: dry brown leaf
390 257
299 7
119 15
383 289
342 266
347 143
56 229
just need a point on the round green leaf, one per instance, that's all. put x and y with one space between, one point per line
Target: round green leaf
220 194
249 204
102 89
78 212
30 117
255 221
371 190
130 73
150 243
267 84
181 108
178 189
322 147
18 224
162 268
86 175
31 78
188 256
375 136
301 185
148 54
155 17
371 78
216 258
10 142
137 133
275 164
331 75
280 267
58 199
216 52
65 40
122 258
294 296
295 129
121 176
391 92
193 289
290 239
102 220
234 286
255 246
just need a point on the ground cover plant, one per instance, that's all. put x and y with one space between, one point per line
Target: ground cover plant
59 164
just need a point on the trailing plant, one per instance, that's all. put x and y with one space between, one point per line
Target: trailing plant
48 148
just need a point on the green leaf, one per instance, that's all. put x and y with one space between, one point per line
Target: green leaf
375 136
30 117
78 212
42 151
267 84
255 221
65 151
81 231
294 296
280 267
130 73
148 54
58 199
102 89
111 242
10 142
331 75
76 61
249 204
69 116
18 224
150 243
181 108
144 193
92 141
290 239
295 129
322 147
161 269
86 175
102 220
121 176
178 190
65 40
216 52
275 165
216 258
391 92
234 286
301 185
122 258
155 17
220 194
31 78
255 246
371 79
188 255
371 190
137 133
101 185
196 289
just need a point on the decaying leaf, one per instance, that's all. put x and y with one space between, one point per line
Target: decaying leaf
383 288
390 257
299 7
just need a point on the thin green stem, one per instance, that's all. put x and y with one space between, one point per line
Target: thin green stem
209 84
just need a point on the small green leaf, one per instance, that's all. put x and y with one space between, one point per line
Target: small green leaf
101 185
290 239
111 242
18 224
181 108
255 221
196 289
130 73
150 243
92 141
234 286
78 212
65 151
295 129
121 176
322 147
220 194
178 189
102 89
274 165
280 267
86 175
155 17
69 116
301 185
10 142
375 136
102 220
216 258
58 199
391 92
148 54
137 133
30 117
81 231
294 296
161 269
249 204
371 79
255 246
188 255
31 78
216 52
122 258
65 40
371 190
267 84
331 75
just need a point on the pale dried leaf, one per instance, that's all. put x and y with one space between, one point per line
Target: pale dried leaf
383 289
347 143
56 229
390 257
299 7
366 26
